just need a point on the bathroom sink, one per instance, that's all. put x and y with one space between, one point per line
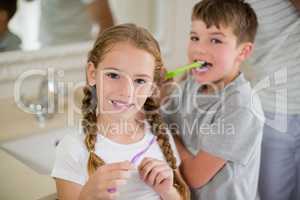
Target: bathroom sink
37 151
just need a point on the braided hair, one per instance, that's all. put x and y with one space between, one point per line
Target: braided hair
142 39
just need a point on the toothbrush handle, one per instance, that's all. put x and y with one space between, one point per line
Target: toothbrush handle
181 70
134 159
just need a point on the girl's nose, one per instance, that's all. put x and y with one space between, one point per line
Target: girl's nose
127 88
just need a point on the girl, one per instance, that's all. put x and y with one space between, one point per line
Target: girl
126 151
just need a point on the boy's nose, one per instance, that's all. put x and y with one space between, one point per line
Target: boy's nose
201 48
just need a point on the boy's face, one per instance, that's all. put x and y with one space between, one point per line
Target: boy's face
219 48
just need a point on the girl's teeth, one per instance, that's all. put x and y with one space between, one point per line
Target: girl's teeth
119 104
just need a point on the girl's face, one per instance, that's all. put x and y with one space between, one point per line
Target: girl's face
124 80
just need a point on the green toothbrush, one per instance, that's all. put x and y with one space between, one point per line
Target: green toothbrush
181 70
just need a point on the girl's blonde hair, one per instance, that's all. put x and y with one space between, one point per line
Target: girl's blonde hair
142 39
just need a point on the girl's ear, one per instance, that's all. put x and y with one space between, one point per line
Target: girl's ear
246 50
91 74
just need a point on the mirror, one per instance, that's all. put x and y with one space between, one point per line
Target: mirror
28 19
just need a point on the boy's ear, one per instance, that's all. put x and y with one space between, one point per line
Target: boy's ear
91 74
246 50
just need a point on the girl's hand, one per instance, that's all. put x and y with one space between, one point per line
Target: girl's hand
110 176
157 174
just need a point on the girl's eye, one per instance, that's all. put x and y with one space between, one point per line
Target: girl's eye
140 81
194 38
216 41
113 75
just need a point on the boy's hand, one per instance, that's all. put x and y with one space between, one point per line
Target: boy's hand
157 174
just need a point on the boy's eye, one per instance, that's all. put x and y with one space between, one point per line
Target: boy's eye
194 38
216 41
113 75
140 81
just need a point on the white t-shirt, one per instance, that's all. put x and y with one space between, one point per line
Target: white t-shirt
72 156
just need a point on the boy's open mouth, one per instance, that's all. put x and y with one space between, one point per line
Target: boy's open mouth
205 67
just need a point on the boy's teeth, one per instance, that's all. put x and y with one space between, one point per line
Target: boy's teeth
205 67
205 64
200 61
202 69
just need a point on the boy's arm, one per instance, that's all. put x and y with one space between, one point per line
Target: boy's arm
296 4
199 169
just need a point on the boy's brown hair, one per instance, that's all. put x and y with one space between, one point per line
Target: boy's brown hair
236 14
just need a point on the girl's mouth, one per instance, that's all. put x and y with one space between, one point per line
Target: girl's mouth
121 104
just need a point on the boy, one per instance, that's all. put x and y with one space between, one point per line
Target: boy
8 40
218 117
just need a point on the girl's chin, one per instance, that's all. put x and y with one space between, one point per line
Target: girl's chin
124 114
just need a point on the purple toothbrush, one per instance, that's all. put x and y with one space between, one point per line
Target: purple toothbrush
135 159
139 154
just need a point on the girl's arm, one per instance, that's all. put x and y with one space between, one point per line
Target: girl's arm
199 169
67 190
